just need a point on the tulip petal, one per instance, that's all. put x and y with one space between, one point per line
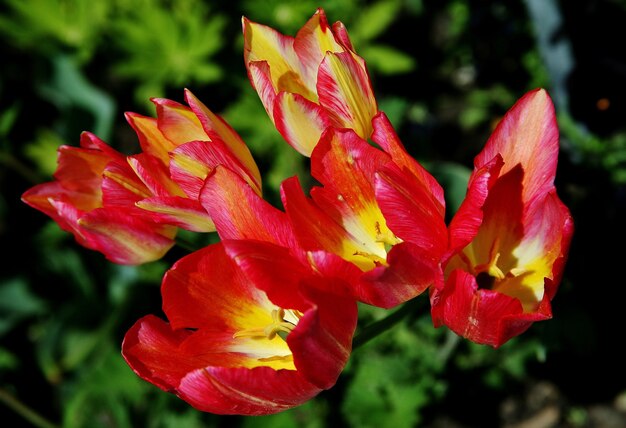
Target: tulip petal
259 391
192 162
177 122
262 43
155 175
218 129
312 42
259 75
125 236
344 90
468 218
409 273
240 213
480 315
300 121
151 139
527 135
178 211
385 136
411 211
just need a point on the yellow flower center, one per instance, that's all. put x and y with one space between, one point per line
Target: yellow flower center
383 240
283 322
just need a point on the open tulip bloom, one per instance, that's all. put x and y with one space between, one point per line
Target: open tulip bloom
264 320
510 237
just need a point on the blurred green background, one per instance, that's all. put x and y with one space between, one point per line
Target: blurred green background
444 71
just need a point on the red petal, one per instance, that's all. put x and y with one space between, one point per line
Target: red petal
240 213
412 213
482 316
409 273
527 135
192 162
178 211
385 136
218 129
300 121
126 236
251 392
467 220
345 92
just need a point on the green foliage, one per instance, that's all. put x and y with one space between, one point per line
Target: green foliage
608 153
17 303
168 47
57 25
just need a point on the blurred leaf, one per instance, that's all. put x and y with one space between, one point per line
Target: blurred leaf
395 375
8 360
387 60
56 24
17 302
43 151
168 46
103 394
69 88
7 119
373 20
310 415
453 178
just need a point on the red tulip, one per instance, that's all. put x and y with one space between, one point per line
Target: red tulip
237 344
310 81
181 146
510 238
93 196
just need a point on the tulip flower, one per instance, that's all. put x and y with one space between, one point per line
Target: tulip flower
236 345
509 240
309 82
93 196
340 231
181 146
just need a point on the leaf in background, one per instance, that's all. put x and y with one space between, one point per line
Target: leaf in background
103 393
43 151
8 360
17 303
387 60
168 46
396 375
373 20
310 415
453 178
54 25
69 89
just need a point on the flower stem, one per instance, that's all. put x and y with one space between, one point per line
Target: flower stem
23 410
374 329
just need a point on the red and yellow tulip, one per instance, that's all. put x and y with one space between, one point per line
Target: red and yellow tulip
237 345
93 196
181 146
510 238
310 81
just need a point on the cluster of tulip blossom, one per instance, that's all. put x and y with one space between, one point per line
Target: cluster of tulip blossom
263 320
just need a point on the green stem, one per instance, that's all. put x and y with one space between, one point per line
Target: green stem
376 328
23 410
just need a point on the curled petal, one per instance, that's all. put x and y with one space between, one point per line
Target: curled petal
527 135
219 130
240 213
178 211
480 315
124 237
300 121
345 92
